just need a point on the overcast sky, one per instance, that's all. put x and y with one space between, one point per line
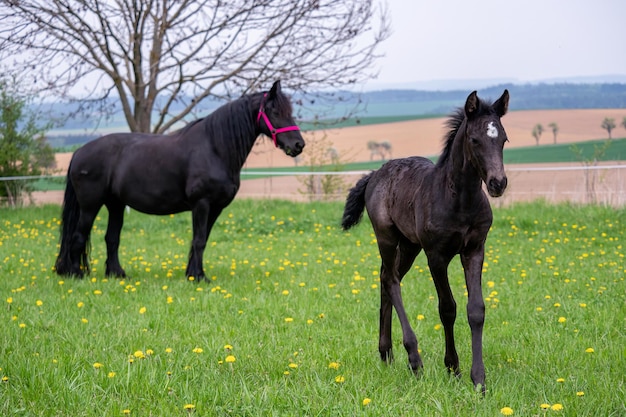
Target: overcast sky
513 40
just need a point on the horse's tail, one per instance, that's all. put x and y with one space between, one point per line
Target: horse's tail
69 224
355 203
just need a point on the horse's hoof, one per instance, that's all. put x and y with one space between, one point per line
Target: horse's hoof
386 356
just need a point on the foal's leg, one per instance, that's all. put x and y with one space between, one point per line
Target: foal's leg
438 265
473 264
396 260
112 239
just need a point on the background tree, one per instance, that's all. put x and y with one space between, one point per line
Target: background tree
555 130
24 150
624 122
608 124
163 57
537 131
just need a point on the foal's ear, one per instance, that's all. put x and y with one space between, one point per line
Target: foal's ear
501 106
275 90
471 104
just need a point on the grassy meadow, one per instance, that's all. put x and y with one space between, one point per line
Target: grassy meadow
287 325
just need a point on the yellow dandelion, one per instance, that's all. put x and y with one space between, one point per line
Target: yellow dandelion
189 407
560 380
366 401
437 326
139 354
285 292
169 350
39 303
197 350
506 411
111 374
340 379
556 407
293 365
420 317
142 310
84 320
230 359
309 321
580 393
288 319
589 350
562 319
126 411
10 300
544 406
97 292
334 365
228 347
5 378
80 304
97 365
22 325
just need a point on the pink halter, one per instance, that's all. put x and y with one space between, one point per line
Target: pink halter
273 131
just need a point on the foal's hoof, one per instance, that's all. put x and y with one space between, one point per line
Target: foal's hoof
481 388
454 371
197 279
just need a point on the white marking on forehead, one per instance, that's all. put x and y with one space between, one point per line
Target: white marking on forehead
492 131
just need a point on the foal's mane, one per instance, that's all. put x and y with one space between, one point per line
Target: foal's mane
454 122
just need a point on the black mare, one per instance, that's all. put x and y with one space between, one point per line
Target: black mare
196 168
441 208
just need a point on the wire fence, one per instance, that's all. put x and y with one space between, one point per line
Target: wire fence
600 184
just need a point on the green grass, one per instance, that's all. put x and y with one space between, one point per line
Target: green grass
297 299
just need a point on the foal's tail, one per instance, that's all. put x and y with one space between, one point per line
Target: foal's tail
355 203
69 224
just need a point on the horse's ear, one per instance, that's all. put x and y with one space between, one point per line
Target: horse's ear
471 104
501 106
275 90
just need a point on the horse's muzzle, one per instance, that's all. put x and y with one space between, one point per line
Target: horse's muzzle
496 186
295 149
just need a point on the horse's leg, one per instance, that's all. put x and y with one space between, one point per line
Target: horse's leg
80 240
204 216
395 263
438 266
112 239
472 264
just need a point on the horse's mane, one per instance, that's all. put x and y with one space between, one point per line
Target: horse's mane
453 123
234 121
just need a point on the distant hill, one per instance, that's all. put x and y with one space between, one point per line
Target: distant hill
523 97
385 106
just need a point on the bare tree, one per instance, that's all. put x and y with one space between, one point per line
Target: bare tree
160 58
555 130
